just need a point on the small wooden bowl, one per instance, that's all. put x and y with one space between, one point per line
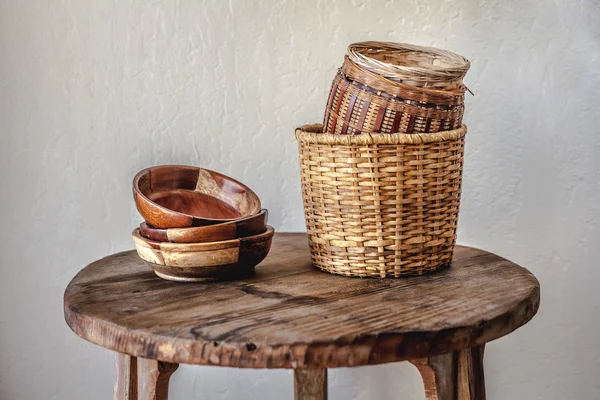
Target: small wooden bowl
179 197
249 226
197 262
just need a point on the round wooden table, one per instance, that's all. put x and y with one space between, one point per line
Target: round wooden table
290 315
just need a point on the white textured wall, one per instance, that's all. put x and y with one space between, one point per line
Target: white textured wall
92 91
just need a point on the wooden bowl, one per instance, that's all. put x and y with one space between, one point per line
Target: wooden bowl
196 262
249 226
178 197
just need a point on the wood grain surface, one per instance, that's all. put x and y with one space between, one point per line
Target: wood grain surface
291 315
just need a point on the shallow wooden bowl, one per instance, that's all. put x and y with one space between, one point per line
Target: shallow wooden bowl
196 262
178 197
248 226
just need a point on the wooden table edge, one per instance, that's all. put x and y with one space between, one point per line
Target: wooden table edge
302 355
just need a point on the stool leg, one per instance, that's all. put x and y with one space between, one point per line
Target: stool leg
453 376
310 384
154 378
438 375
126 378
470 380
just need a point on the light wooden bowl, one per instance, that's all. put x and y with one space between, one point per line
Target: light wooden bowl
196 262
178 197
249 226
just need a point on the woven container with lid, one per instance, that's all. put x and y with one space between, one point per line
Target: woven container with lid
381 205
396 88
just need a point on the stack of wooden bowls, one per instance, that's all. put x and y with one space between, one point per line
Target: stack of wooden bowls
381 178
199 224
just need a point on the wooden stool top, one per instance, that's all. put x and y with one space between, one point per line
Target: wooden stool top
290 315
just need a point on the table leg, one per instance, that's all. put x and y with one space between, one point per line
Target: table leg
154 378
310 384
453 376
470 380
438 375
126 377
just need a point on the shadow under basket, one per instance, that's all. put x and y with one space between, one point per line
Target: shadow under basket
381 205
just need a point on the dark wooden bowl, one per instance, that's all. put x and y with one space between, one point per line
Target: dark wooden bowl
249 226
178 197
195 262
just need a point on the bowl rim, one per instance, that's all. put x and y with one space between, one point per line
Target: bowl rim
212 221
197 247
263 211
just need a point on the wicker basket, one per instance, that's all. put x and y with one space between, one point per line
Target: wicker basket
378 97
412 65
381 205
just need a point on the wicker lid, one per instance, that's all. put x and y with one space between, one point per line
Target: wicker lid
410 64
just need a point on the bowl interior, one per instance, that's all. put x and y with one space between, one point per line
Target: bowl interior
195 192
195 204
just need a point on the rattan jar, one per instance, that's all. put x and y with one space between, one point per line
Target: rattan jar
381 205
396 88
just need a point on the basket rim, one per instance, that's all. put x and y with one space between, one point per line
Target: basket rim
312 134
456 68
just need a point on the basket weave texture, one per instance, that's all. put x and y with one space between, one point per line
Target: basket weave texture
410 64
396 88
355 107
381 205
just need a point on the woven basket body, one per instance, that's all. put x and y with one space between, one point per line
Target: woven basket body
363 102
381 205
